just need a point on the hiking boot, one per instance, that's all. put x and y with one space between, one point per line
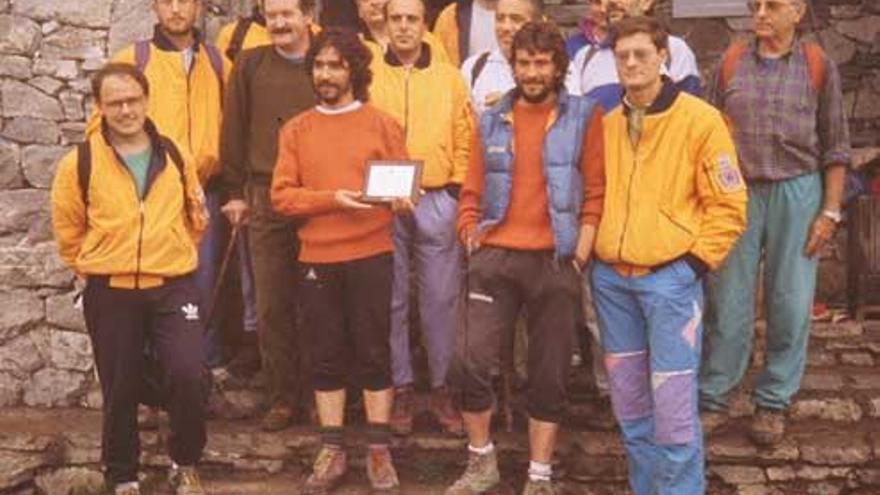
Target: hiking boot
380 470
129 489
445 412
712 420
402 411
481 475
539 488
327 472
185 480
767 427
279 417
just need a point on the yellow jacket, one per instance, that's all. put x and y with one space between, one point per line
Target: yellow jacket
185 107
256 35
138 242
431 103
678 193
446 29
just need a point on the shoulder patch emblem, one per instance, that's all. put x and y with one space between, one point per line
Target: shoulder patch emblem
727 175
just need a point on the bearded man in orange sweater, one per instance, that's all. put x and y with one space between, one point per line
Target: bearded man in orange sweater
345 257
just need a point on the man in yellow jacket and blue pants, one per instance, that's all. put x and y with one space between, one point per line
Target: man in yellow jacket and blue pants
127 212
429 99
674 206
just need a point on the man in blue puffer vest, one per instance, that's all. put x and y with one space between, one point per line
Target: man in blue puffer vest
528 214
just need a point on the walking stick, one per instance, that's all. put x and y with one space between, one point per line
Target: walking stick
221 276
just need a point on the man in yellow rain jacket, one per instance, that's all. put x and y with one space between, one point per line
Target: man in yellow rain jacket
429 99
127 212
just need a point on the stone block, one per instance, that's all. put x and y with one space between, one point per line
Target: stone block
836 330
73 42
835 450
131 20
838 47
843 410
25 211
32 266
61 312
73 132
865 381
863 29
56 67
46 84
15 67
18 468
821 359
30 130
10 171
10 390
781 473
86 13
822 381
23 100
857 359
18 35
53 388
739 475
39 163
21 310
69 351
72 104
69 481
785 451
730 447
20 357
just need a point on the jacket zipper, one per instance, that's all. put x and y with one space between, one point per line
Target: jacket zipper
408 72
635 150
137 273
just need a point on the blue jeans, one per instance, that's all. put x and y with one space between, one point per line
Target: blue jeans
651 330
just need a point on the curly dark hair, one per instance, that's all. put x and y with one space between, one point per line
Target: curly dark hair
353 52
542 36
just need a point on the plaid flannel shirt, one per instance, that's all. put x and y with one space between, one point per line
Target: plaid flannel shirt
782 126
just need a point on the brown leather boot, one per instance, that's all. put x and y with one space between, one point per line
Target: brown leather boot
327 472
402 412
444 410
380 470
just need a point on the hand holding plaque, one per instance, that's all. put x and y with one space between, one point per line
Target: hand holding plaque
387 180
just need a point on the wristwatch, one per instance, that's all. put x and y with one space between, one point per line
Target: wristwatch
833 215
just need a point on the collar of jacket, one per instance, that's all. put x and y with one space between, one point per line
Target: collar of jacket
157 157
796 47
257 16
163 43
422 63
668 94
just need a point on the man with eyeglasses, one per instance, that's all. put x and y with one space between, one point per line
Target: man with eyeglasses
782 96
669 218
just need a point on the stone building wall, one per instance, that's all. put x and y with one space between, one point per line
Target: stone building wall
48 48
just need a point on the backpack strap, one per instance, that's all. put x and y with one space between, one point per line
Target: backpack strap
169 147
238 34
216 60
478 67
84 171
815 64
141 54
729 61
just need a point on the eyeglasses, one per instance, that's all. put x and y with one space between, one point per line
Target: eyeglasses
641 55
769 6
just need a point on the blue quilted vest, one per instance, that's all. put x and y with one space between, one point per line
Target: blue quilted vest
561 161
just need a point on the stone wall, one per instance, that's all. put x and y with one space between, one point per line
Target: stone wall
48 48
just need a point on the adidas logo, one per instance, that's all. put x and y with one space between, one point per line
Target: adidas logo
190 312
311 275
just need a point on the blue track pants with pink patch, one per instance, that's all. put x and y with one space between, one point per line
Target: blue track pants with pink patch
651 330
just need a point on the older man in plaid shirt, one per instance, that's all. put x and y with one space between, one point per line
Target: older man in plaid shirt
782 96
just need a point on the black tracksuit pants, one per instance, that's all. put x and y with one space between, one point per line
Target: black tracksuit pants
120 323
